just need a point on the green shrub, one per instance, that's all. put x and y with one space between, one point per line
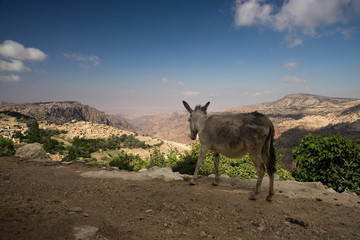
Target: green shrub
7 147
128 162
157 159
242 168
332 160
187 162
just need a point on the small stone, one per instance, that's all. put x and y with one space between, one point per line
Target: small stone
203 234
74 210
261 228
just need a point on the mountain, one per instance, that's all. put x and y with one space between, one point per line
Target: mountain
173 127
62 112
293 116
301 105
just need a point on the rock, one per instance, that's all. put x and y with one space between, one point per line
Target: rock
163 173
74 210
331 190
203 234
33 151
85 232
154 168
224 176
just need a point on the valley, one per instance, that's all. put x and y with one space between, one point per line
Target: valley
293 116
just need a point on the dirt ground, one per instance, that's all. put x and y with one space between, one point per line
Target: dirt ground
53 201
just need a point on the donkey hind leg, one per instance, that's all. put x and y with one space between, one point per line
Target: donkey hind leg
271 176
260 169
198 165
268 155
216 165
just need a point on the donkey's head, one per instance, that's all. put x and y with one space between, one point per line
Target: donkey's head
195 115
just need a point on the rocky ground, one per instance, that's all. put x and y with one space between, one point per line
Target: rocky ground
48 200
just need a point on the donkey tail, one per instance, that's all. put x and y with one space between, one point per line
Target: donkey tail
271 151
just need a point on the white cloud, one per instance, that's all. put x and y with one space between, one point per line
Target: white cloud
251 12
83 60
13 66
9 78
180 83
290 65
298 18
15 50
164 80
293 79
190 93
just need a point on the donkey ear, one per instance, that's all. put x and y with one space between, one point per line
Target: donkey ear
188 108
206 106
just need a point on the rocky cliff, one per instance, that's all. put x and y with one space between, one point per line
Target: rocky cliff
62 112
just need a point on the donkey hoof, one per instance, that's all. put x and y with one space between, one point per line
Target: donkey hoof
215 184
252 197
192 183
269 198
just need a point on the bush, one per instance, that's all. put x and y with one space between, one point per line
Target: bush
7 147
35 134
53 146
242 168
332 160
157 159
128 162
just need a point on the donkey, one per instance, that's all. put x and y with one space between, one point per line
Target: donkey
234 135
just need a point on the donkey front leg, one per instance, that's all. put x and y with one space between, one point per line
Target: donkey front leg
216 165
198 165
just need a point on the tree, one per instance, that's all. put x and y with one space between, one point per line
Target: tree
33 133
7 147
332 160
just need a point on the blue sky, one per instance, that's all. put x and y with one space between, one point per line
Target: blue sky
147 56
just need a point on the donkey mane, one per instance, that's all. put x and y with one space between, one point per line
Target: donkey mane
200 108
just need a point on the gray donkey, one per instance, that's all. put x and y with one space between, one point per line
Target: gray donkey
235 135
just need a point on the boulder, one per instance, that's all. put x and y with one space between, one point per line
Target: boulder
33 151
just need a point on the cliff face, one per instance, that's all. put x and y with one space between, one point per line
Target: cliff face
62 112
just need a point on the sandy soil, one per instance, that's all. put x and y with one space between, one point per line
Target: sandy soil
53 201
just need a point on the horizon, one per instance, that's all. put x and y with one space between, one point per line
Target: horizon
150 56
128 113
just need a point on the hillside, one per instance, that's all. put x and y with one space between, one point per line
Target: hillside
63 112
49 200
173 127
11 122
301 105
293 116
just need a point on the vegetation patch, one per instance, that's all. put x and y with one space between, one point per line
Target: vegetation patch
332 160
